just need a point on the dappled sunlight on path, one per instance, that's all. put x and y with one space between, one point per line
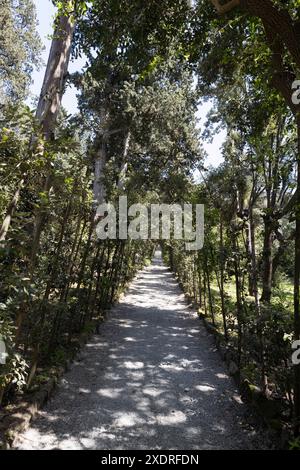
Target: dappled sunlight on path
150 380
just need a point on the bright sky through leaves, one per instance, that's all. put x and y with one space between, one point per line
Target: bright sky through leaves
45 12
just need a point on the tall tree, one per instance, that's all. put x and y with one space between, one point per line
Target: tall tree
269 33
20 48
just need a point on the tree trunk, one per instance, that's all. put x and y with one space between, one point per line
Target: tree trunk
124 163
73 257
10 211
42 306
204 293
49 105
98 282
238 289
255 293
222 291
57 67
211 308
100 163
278 20
200 285
117 273
102 286
267 260
39 222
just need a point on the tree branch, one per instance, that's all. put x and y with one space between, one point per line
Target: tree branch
221 9
279 20
282 78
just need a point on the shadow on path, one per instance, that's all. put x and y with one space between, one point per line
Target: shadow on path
150 380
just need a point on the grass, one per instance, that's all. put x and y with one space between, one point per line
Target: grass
282 299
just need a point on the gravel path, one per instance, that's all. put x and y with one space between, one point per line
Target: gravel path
150 380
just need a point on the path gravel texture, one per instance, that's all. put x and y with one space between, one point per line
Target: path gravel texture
151 379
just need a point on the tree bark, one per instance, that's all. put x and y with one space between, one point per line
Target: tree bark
49 106
100 163
211 307
238 290
10 211
124 163
99 188
278 20
267 261
57 67
222 291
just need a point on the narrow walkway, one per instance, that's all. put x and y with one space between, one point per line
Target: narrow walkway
150 380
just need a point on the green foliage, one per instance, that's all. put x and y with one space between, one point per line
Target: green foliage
75 278
294 444
13 372
19 48
138 104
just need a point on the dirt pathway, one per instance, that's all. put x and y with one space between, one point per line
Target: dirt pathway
150 380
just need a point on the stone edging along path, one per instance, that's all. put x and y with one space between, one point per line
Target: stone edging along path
17 417
269 411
